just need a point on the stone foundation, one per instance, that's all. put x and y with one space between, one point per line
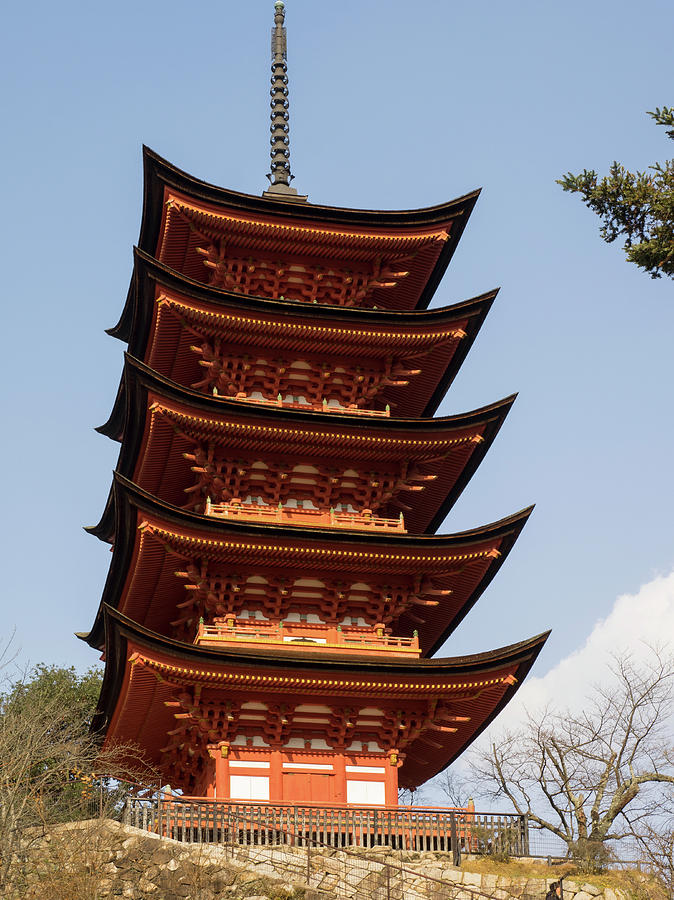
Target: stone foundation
105 860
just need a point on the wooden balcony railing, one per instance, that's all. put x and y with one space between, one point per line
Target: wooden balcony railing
264 823
310 637
314 518
325 407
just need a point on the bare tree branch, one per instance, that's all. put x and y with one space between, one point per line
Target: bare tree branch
591 767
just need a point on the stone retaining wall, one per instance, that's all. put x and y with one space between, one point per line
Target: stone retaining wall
106 860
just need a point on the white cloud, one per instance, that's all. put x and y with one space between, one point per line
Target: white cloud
636 621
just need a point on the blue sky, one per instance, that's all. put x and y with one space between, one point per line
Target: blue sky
393 105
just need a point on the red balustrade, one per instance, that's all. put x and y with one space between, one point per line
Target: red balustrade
350 410
312 636
316 518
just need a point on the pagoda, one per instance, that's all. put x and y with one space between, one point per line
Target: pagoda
277 590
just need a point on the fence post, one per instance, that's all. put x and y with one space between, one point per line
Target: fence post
388 882
456 849
525 834
309 861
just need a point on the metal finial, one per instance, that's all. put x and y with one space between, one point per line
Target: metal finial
280 176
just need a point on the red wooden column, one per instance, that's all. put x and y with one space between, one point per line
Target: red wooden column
276 777
221 755
391 779
340 778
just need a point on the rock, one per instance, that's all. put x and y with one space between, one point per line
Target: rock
333 866
583 895
610 894
591 890
432 872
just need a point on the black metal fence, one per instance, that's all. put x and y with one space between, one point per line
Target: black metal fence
545 845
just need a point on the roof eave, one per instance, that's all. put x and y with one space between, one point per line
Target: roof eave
136 370
159 173
119 520
127 422
119 629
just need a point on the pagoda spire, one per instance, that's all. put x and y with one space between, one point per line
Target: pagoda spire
280 175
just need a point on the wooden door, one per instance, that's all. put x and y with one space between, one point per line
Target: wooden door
308 787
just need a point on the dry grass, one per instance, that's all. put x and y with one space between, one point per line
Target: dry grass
635 884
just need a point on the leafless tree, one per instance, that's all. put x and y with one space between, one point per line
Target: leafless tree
455 788
657 844
414 796
655 837
593 775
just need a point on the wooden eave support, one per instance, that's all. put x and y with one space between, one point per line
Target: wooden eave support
263 233
241 327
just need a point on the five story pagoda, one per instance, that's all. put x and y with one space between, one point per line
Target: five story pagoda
276 590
